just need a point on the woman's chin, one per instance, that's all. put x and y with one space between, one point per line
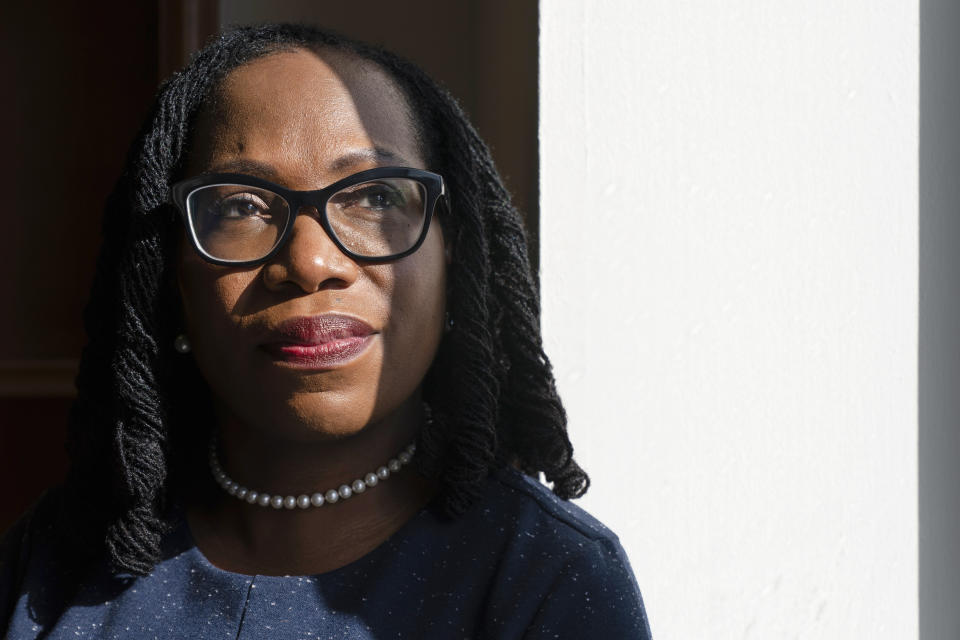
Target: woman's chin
306 420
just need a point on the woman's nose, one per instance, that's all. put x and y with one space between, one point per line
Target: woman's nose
310 259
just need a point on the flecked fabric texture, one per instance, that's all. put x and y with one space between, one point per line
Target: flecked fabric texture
520 564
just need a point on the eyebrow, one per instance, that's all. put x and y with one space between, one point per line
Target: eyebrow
250 167
376 155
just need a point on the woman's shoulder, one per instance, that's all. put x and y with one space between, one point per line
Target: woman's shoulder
17 545
518 509
13 555
16 541
549 562
527 495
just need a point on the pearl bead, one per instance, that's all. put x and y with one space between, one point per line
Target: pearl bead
344 491
316 499
404 457
242 493
371 479
358 486
276 502
393 465
303 501
290 502
383 473
233 489
252 496
264 500
332 496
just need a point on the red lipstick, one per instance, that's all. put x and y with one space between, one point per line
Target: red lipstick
318 342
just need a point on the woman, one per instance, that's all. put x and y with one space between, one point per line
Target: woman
314 400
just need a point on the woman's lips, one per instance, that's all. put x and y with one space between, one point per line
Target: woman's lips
318 342
319 356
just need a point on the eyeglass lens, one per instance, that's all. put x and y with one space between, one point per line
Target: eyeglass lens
374 219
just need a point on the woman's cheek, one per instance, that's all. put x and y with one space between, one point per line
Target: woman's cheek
209 302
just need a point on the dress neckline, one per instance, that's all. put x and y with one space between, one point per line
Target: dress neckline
185 543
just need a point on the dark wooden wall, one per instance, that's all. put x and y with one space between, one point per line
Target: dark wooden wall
78 80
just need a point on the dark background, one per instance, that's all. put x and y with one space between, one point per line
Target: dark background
78 80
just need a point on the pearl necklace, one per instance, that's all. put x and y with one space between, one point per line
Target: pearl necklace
305 501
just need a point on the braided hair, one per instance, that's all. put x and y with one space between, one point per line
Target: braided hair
139 424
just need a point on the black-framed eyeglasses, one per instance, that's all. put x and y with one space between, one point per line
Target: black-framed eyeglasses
374 215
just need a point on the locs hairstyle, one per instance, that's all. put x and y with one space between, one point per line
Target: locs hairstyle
139 426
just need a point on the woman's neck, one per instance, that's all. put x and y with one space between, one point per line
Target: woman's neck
249 538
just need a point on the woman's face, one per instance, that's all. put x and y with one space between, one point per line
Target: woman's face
303 122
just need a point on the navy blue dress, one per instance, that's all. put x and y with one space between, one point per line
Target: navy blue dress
521 563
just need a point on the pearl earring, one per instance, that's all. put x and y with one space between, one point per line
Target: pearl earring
448 322
181 344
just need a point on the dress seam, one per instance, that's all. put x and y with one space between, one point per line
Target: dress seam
516 482
243 612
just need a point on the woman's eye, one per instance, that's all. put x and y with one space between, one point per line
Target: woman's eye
242 206
378 198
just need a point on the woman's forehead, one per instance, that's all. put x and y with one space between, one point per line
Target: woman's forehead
302 112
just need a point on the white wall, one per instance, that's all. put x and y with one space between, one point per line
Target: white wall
729 242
